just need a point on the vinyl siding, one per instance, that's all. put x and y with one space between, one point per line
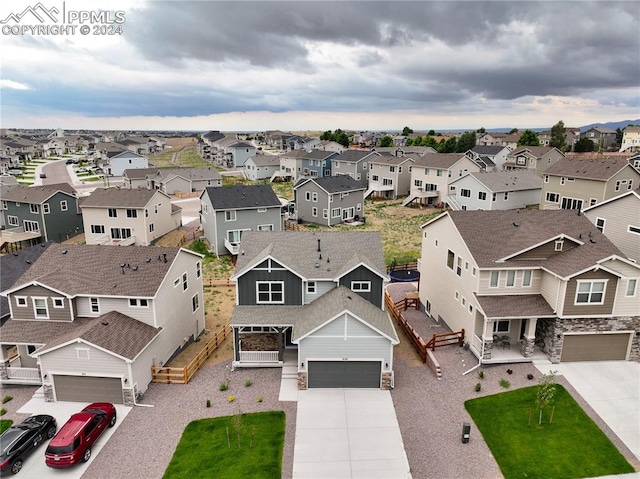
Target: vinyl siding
304 208
245 220
549 289
516 199
177 184
544 251
362 273
628 173
246 286
141 368
570 309
322 287
28 312
107 304
65 361
485 281
627 305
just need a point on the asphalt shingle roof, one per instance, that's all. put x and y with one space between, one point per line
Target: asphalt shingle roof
537 151
353 155
490 150
37 194
308 155
515 306
594 169
439 160
266 160
334 184
508 180
242 196
118 198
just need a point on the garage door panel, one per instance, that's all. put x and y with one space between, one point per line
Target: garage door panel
88 389
595 347
344 374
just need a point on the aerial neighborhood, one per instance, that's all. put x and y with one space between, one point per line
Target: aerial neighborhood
213 274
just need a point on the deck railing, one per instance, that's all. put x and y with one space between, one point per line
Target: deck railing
259 356
31 375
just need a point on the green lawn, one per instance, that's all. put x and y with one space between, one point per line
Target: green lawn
205 449
572 446
5 424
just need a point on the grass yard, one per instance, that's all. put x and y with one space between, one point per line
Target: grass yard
572 446
5 424
251 449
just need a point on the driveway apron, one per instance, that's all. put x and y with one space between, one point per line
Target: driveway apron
348 433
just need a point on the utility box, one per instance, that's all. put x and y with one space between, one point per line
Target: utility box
466 432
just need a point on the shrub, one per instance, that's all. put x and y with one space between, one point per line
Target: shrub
509 371
3 411
225 385
259 398
208 402
248 383
505 384
231 398
478 387
529 376
480 374
6 399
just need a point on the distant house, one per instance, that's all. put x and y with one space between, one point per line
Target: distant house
630 139
573 183
498 190
354 163
603 138
389 176
172 180
489 157
499 139
126 160
431 175
261 167
404 150
305 164
330 146
536 158
619 219
88 322
329 201
227 212
114 216
40 213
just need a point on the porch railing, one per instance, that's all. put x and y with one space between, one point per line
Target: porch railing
25 374
259 356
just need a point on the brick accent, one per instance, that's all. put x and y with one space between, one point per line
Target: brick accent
302 381
386 380
128 396
526 347
4 374
48 392
488 347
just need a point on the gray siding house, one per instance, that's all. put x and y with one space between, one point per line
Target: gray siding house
318 296
227 213
329 201
353 163
172 181
40 213
261 167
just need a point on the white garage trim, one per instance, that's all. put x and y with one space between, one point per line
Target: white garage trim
567 347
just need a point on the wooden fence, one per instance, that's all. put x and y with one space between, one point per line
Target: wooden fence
183 375
217 283
391 267
292 225
414 337
189 237
190 194
446 339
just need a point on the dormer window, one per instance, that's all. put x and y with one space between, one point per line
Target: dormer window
559 244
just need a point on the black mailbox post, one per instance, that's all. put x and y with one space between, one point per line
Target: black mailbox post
466 432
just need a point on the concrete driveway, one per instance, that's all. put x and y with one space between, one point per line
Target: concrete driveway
612 389
34 466
348 433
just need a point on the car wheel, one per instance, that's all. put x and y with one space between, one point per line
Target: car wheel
113 420
16 466
51 432
87 455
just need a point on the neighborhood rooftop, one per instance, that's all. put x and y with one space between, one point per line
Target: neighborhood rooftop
37 194
334 184
438 160
242 196
508 180
118 198
594 169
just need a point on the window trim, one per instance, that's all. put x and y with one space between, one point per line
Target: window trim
56 300
590 292
228 216
34 208
511 275
497 277
195 302
23 300
361 286
185 281
270 292
634 290
311 287
528 275
97 305
601 226
35 308
46 209
496 326
633 229
13 220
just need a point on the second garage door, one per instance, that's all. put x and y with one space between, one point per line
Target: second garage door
344 374
595 347
88 389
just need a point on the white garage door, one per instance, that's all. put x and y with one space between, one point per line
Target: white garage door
595 347
88 389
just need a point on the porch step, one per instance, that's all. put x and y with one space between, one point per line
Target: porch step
39 394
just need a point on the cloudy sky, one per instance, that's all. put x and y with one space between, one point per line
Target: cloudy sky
316 65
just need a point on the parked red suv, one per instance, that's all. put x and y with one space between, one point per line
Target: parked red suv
73 442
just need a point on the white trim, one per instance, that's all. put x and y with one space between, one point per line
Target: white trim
365 286
46 307
590 292
270 292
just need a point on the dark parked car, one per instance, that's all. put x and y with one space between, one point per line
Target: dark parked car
20 440
73 442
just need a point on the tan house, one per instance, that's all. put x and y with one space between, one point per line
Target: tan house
432 173
389 176
529 284
631 139
619 219
172 180
574 183
114 216
536 158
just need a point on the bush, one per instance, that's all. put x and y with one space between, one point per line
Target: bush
529 376
6 399
480 374
208 402
3 411
505 384
259 399
231 398
478 387
224 386
248 383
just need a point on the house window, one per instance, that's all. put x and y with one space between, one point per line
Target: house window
465 193
521 161
526 278
631 287
630 185
265 227
131 213
146 213
552 197
450 258
138 303
120 233
495 277
314 197
262 210
45 208
426 171
457 296
155 208
618 185
95 305
470 308
307 195
374 178
590 292
592 201
563 180
21 301
392 169
185 285
427 306
571 204
417 183
29 225
387 181
463 302
546 178
459 266
176 282
361 286
198 269
13 220
311 287
58 303
35 209
325 213
501 326
506 195
335 213
633 229
113 213
234 236
314 211
230 215
270 292
195 302
5 206
151 228
63 205
473 271
511 278
482 195
439 173
600 224
97 229
559 244
359 207
494 196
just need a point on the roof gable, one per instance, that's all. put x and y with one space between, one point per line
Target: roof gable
242 197
120 198
37 194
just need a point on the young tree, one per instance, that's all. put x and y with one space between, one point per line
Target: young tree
583 145
619 136
342 138
545 393
448 146
406 131
558 136
529 138
481 130
513 131
431 133
385 141
466 142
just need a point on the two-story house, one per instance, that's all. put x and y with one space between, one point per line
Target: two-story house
354 163
318 296
574 183
603 138
261 167
172 180
40 213
329 201
489 157
619 219
298 164
530 284
431 175
389 176
227 213
497 190
114 216
630 139
88 322
536 158
116 164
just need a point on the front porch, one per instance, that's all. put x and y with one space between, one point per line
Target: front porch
17 367
498 352
260 346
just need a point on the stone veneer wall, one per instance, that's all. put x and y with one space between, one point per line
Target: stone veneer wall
551 331
302 381
4 373
48 392
386 380
129 397
488 347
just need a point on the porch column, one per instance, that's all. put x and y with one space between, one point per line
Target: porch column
236 343
280 344
527 343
